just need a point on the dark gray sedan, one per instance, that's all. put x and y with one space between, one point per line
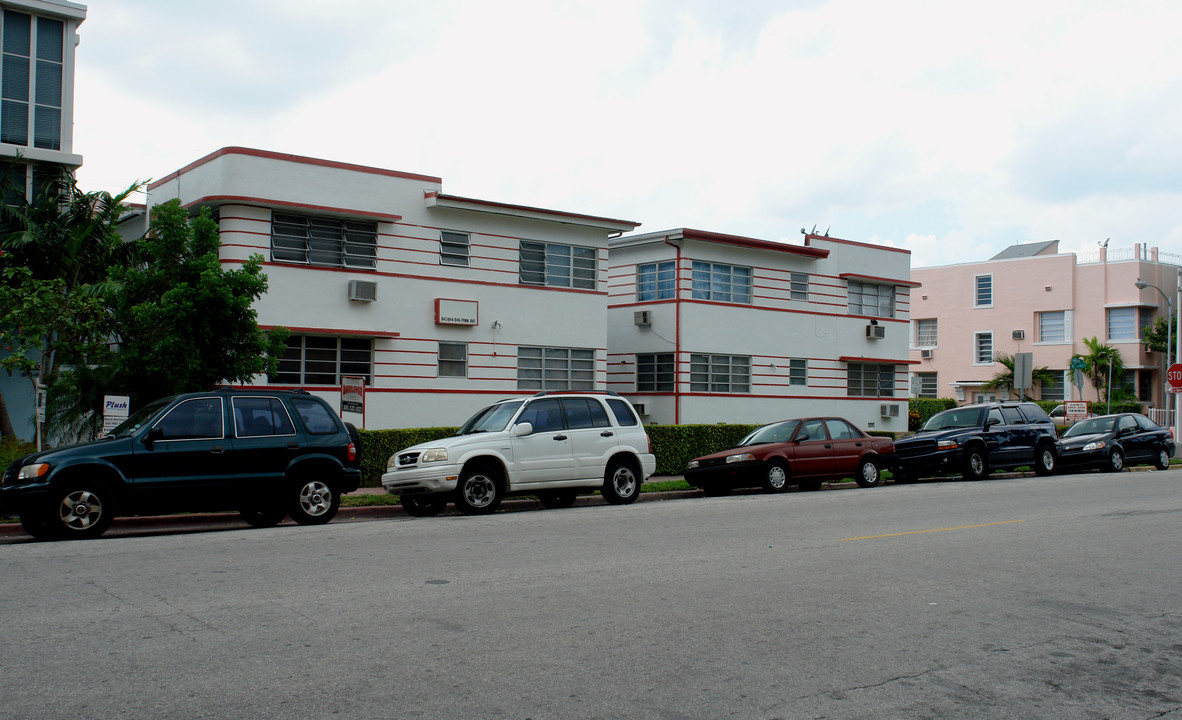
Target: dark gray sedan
1110 442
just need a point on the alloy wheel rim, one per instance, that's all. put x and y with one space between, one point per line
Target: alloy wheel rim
80 510
870 473
315 498
624 482
776 477
479 491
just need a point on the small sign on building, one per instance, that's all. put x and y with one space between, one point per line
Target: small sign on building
116 409
456 312
1075 411
353 395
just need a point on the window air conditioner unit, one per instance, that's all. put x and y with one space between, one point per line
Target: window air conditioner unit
1019 334
925 354
641 408
363 290
643 318
888 411
875 332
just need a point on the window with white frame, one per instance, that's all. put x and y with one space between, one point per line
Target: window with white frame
656 281
1056 388
1122 323
798 371
721 283
454 248
555 265
871 299
1052 326
317 360
555 368
799 286
32 75
453 359
870 380
927 387
983 287
720 373
925 333
983 348
324 241
654 372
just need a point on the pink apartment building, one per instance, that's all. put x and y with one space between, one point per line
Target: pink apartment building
1032 298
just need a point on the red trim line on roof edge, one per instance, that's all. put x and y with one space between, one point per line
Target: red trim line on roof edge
287 157
245 200
705 236
384 335
525 208
875 278
855 242
850 358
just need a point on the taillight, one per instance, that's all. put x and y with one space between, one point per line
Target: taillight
351 453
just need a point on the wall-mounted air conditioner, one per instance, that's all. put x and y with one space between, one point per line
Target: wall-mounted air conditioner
363 290
925 354
641 409
643 318
1019 334
875 332
888 411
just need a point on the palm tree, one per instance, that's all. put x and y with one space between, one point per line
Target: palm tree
1004 380
1099 360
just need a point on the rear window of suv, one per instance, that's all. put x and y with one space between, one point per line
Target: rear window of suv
317 419
623 412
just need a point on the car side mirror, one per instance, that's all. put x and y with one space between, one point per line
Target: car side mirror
990 422
801 438
154 434
522 428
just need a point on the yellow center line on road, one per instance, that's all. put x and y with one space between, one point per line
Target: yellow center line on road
920 532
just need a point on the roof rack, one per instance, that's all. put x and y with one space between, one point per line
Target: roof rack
613 393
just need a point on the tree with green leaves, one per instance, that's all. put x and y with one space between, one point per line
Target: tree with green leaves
1156 335
1004 379
1098 361
182 320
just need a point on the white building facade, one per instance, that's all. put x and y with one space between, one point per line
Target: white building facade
707 328
442 303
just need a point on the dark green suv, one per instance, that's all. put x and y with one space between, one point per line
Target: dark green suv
265 453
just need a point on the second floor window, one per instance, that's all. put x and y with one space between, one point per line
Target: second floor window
557 265
872 300
1122 323
1052 326
453 359
655 281
799 286
798 371
315 360
925 333
654 372
551 368
870 380
721 283
329 242
31 73
926 385
453 248
983 348
984 290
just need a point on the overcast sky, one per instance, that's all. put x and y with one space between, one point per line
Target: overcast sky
950 128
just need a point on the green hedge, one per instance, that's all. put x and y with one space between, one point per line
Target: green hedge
919 410
12 449
378 445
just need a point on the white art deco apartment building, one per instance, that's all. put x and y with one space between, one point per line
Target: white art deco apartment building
442 303
705 328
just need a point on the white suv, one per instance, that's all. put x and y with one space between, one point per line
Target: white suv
553 445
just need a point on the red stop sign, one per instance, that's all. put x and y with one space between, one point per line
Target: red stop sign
1174 375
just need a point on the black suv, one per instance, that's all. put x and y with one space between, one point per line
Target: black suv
975 439
264 453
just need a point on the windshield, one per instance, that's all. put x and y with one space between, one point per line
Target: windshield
1092 426
774 433
139 418
956 418
493 418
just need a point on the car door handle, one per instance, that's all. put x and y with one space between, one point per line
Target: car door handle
559 437
828 447
605 433
857 444
217 449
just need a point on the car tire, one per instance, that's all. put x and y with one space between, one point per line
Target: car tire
80 511
36 524
1162 460
1044 463
1116 461
557 499
621 483
423 505
809 485
479 491
976 464
868 473
261 516
775 476
313 502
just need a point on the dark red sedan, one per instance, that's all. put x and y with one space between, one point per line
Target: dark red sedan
802 452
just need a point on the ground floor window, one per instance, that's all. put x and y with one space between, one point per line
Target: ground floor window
453 359
316 360
547 368
798 371
1056 389
720 373
871 380
655 372
926 385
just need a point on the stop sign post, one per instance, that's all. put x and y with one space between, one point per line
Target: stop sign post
1174 378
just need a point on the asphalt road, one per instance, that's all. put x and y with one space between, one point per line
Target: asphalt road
1051 597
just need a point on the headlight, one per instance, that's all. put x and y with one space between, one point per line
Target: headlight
691 464
433 455
947 445
745 457
392 462
34 471
1098 445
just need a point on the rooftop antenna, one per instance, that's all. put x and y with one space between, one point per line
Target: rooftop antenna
1105 243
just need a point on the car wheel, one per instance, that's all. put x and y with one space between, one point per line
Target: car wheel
1116 460
261 516
775 476
37 525
423 505
315 503
809 485
868 475
1162 462
976 464
557 499
1044 464
80 511
479 491
621 483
